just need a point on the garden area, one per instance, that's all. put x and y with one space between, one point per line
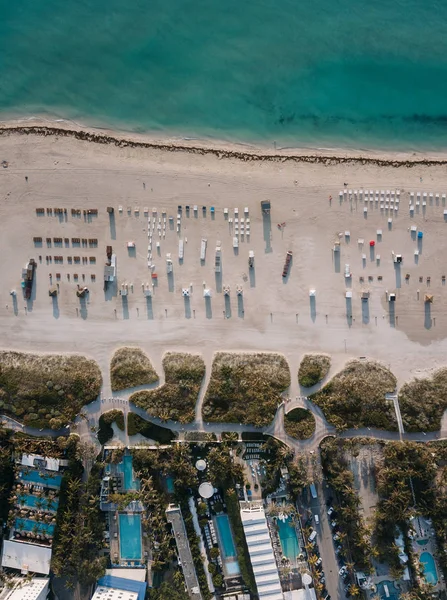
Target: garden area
131 367
355 397
47 390
245 388
161 435
176 399
313 369
105 430
423 402
299 423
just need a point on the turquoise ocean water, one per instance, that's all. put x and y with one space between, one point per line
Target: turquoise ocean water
298 72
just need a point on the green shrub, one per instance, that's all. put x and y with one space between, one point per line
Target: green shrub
423 402
135 424
245 388
355 397
131 367
313 368
299 423
105 431
176 399
59 384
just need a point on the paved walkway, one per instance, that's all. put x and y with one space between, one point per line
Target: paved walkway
85 425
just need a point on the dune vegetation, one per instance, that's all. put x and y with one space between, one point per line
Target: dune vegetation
313 368
47 390
176 399
245 387
355 397
131 367
423 402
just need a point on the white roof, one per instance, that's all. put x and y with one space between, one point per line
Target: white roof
26 590
51 464
206 490
107 593
26 557
132 574
261 552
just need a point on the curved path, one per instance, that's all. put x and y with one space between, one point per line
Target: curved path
86 424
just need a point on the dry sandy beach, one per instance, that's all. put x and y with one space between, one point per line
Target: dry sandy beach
272 314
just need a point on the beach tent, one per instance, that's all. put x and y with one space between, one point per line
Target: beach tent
428 298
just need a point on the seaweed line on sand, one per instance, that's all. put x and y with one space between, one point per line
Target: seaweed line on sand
246 156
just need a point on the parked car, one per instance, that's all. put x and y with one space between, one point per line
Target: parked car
322 580
330 510
321 576
347 591
327 597
319 561
343 570
333 524
336 537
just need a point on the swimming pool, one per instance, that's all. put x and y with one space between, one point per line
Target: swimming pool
289 541
422 542
169 484
41 479
30 525
35 502
227 549
392 594
428 563
130 536
129 482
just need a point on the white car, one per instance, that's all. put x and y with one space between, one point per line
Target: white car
330 511
343 570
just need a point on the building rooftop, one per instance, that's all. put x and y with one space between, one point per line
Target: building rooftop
174 516
26 590
34 460
261 552
26 558
119 588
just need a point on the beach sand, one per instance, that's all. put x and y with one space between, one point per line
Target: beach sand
273 314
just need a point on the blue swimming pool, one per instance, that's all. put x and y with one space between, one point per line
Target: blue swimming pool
30 525
169 485
127 467
428 563
288 539
386 590
227 549
41 479
130 536
35 502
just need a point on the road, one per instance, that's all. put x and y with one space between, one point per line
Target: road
325 543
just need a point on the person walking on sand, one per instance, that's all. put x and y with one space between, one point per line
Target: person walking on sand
330 200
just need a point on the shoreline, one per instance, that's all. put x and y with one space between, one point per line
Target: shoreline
221 150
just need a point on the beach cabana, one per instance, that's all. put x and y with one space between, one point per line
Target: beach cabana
428 298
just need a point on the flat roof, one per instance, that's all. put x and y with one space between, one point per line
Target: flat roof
51 464
261 552
119 588
26 557
25 590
